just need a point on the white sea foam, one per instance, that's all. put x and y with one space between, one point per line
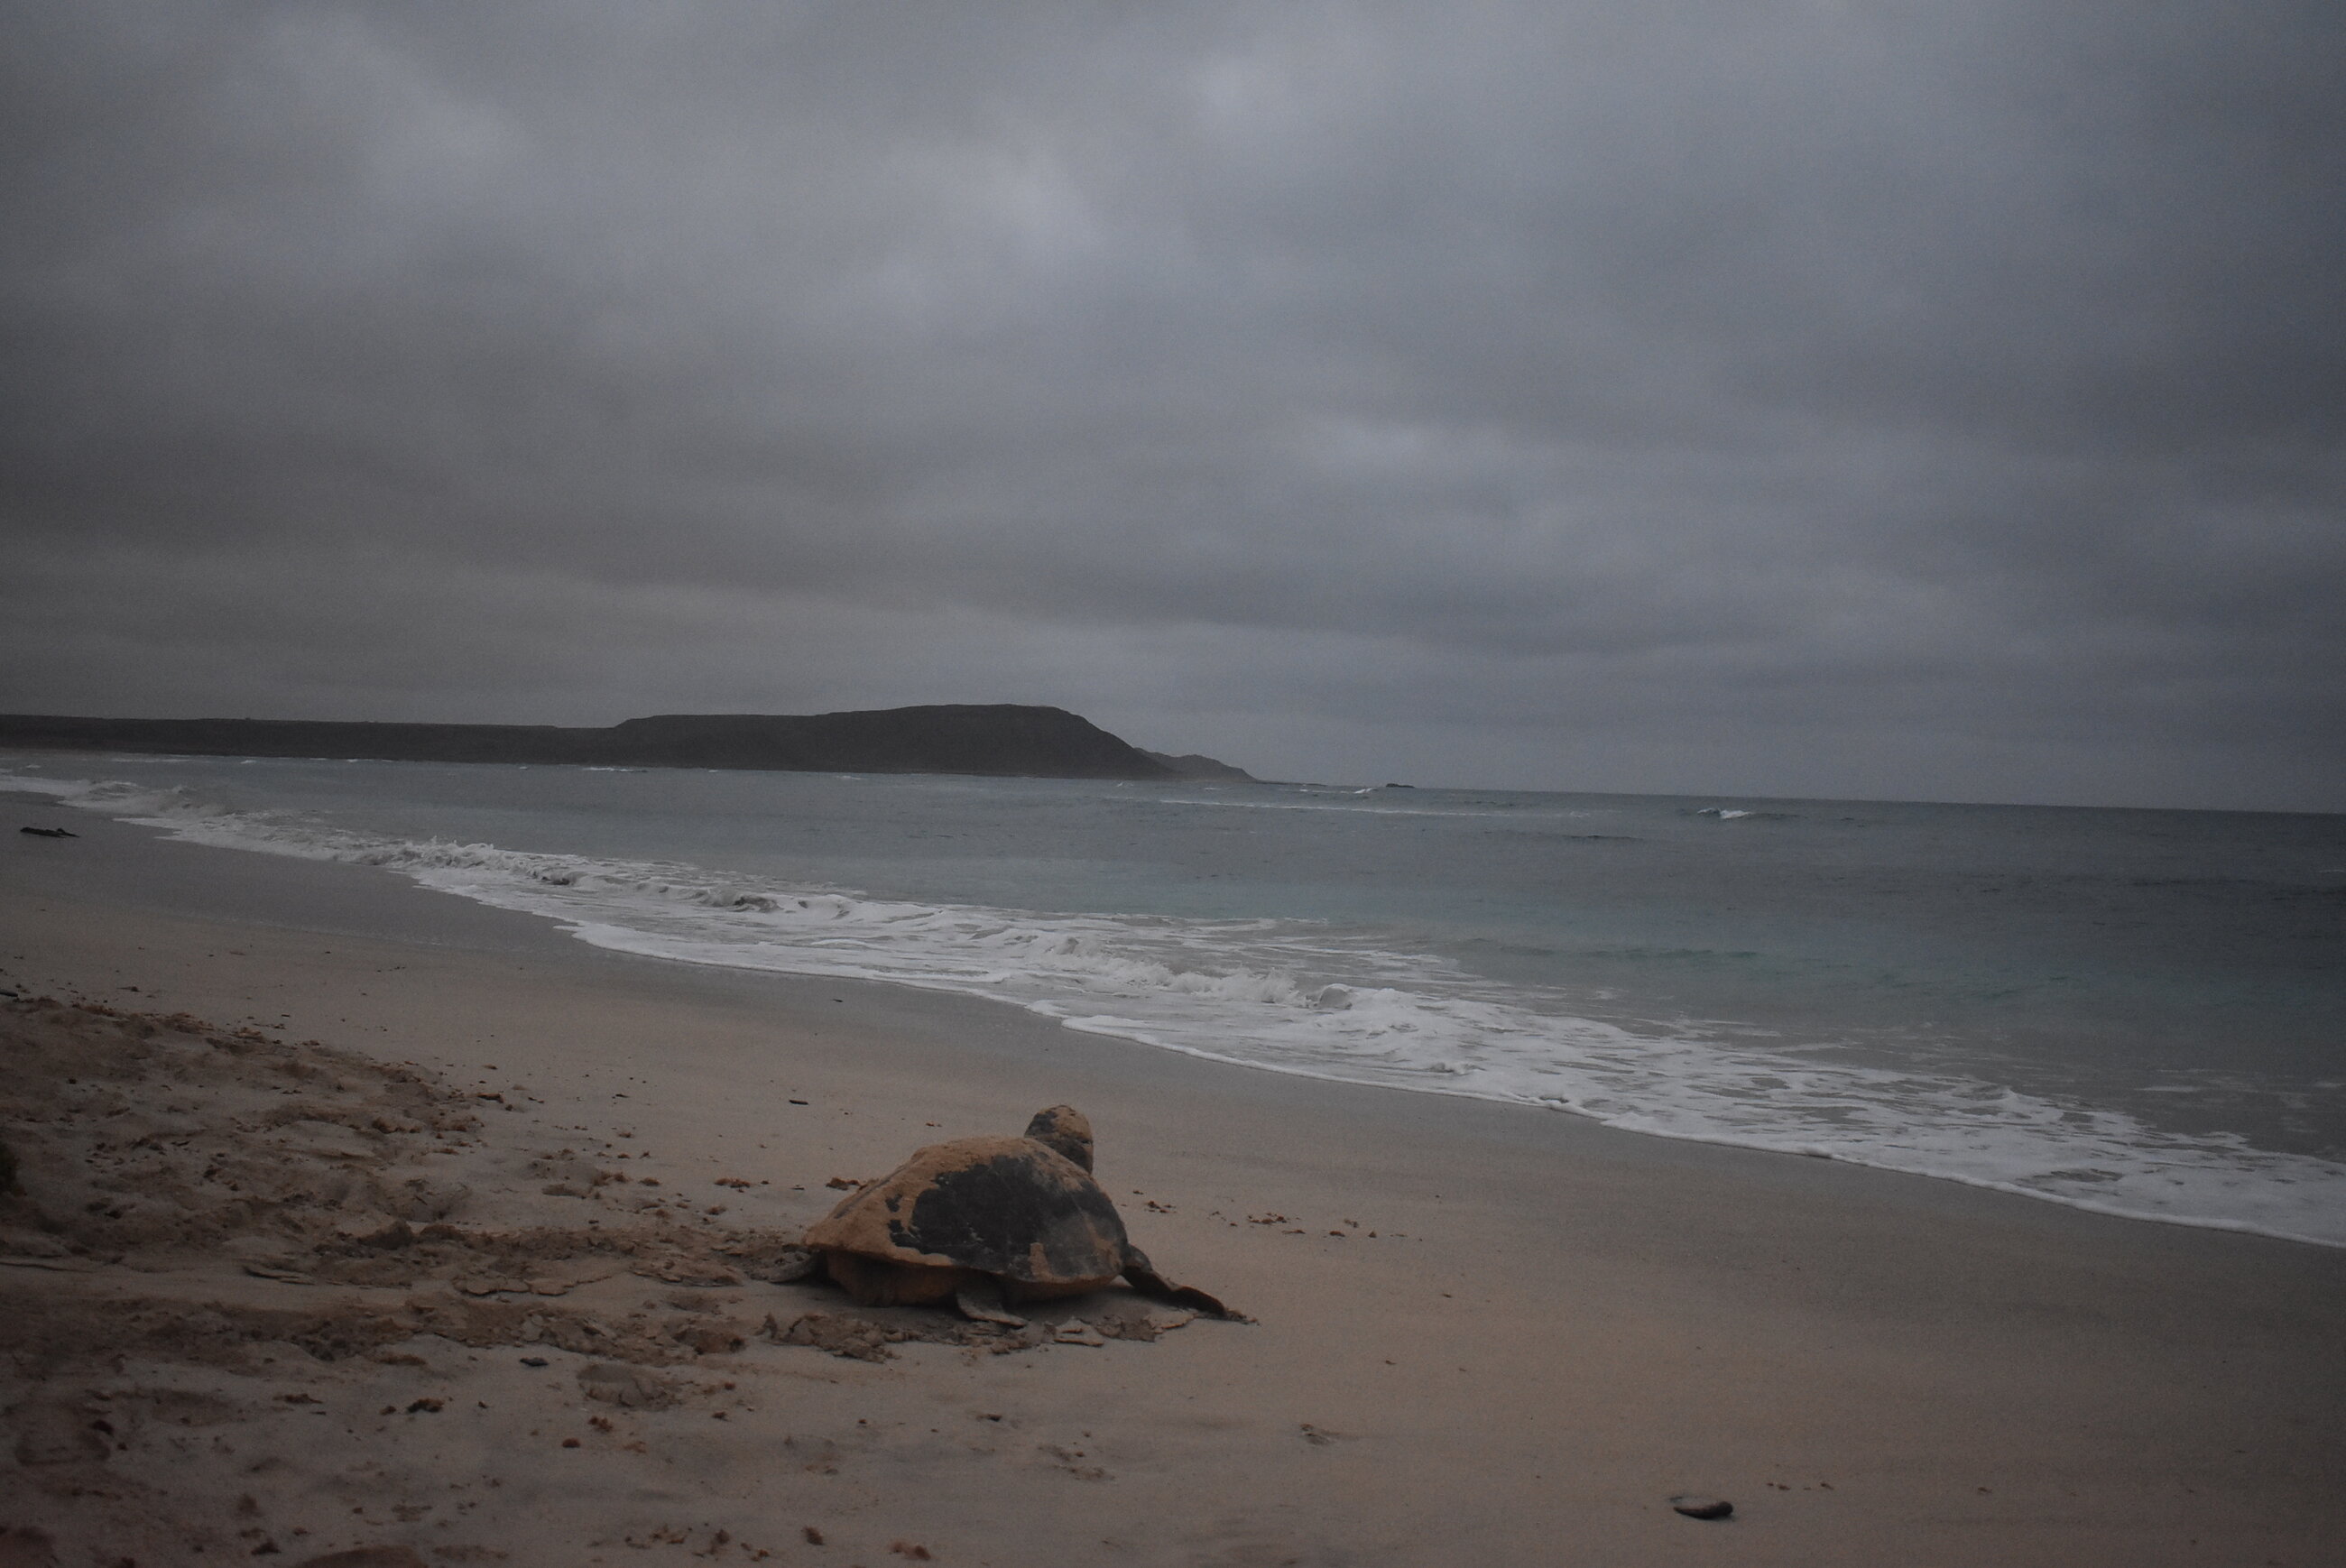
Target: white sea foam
1299 998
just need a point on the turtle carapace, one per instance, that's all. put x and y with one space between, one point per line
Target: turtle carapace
982 1222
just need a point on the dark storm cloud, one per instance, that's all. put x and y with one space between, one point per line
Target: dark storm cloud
1802 397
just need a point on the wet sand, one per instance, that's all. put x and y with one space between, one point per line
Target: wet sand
1484 1333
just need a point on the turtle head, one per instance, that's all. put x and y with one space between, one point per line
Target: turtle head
1066 1129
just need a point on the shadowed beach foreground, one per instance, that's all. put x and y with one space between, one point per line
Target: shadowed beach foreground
478 1276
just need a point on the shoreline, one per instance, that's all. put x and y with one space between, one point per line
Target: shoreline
2102 1160
1979 1376
399 909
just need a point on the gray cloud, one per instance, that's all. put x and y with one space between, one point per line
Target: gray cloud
1797 397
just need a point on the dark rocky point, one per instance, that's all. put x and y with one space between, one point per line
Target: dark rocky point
1695 1507
1194 766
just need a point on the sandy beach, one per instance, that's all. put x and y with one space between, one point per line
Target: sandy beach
358 1217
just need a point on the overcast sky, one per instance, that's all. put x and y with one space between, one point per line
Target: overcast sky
1770 396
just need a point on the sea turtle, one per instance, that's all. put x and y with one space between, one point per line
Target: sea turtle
984 1221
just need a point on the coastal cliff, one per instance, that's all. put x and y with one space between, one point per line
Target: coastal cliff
1000 740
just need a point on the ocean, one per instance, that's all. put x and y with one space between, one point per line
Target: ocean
2142 1012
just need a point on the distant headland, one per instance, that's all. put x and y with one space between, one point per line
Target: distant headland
999 739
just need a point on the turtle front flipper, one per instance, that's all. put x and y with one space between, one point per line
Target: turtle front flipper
1143 1277
980 1301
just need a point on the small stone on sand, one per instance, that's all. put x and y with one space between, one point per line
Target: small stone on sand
1697 1507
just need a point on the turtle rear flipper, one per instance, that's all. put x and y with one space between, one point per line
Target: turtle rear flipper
1142 1276
980 1302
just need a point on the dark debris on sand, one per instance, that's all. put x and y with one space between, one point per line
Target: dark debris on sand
866 1333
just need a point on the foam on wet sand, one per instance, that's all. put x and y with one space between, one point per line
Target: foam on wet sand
1485 1333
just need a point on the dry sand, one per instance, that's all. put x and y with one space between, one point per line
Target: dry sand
262 1297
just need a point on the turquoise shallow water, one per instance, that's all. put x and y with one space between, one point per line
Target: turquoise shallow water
2132 1010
